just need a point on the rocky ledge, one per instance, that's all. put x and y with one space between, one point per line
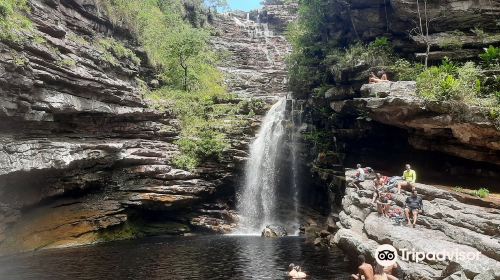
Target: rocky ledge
450 223
448 127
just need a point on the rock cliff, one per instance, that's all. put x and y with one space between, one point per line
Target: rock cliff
387 125
85 157
457 29
255 50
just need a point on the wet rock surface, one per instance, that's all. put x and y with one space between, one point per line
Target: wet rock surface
255 49
274 231
446 225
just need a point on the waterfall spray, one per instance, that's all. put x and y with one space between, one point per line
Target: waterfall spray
257 202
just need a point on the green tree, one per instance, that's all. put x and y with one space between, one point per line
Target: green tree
186 46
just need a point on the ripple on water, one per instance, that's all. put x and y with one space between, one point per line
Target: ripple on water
202 257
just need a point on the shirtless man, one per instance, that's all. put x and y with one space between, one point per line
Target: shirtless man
292 273
300 273
296 272
375 79
379 183
390 271
380 273
365 270
384 202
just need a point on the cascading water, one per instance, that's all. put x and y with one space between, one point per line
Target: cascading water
297 123
258 200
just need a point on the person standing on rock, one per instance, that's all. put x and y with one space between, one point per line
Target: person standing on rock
365 270
359 177
414 205
409 177
379 183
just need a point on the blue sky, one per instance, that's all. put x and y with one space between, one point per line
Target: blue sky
244 5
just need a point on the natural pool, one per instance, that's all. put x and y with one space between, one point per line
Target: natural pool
197 257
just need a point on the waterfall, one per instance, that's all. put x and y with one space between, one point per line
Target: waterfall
297 123
258 200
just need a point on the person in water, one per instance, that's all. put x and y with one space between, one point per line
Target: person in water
365 270
296 272
300 273
292 273
374 79
380 273
391 271
414 206
409 177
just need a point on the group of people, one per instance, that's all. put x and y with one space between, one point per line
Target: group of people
385 188
367 272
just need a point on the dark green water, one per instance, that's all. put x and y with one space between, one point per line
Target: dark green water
202 257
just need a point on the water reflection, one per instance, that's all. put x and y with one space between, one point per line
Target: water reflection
204 257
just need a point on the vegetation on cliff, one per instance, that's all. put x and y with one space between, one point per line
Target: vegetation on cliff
13 19
174 36
319 58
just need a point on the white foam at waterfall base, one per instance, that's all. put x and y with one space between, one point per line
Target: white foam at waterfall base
257 200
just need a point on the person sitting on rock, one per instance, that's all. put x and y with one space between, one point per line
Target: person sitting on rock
365 270
392 183
374 79
384 204
414 205
409 177
359 177
380 273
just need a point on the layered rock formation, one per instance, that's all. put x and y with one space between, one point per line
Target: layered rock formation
457 29
387 125
450 222
448 127
83 156
255 50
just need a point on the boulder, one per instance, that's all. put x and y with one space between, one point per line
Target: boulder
274 231
490 274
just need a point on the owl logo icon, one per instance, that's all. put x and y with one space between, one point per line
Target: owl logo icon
386 255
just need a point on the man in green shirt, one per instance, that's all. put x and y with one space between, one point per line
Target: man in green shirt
409 177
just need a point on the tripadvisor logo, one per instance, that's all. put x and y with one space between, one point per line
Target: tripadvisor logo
387 255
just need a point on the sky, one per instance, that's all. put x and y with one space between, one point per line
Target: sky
244 5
